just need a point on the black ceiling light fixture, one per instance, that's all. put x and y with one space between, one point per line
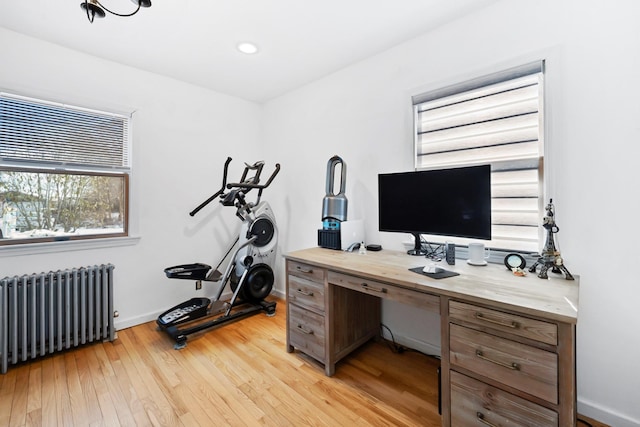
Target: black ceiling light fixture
94 8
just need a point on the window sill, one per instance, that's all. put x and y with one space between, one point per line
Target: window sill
70 245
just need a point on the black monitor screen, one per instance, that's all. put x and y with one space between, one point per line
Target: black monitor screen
448 202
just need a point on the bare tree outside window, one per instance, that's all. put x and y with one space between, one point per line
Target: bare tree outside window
48 204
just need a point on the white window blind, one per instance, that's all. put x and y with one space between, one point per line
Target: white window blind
497 119
44 133
64 172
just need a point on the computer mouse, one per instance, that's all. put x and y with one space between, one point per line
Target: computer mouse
432 269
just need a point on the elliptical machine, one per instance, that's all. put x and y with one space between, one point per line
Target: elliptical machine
250 271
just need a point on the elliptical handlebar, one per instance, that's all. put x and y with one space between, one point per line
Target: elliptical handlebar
248 185
217 193
257 166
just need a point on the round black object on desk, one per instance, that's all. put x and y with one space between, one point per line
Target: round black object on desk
514 260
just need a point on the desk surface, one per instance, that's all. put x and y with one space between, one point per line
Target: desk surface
553 298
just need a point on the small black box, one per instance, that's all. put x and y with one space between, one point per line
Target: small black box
450 253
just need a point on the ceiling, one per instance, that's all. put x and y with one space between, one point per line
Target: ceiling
195 40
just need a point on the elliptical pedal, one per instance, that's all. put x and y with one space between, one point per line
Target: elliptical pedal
188 310
195 271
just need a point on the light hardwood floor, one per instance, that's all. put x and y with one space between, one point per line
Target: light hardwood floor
237 375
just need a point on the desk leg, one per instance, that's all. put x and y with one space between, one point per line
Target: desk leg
290 348
444 362
351 319
329 369
567 374
330 358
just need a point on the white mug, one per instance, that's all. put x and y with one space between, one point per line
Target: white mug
477 254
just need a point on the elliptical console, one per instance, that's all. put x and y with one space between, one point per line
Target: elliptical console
249 272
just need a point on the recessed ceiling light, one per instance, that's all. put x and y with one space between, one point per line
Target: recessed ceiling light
248 48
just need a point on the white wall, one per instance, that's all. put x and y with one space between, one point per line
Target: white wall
184 133
592 51
182 136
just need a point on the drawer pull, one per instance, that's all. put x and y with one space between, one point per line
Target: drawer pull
513 365
304 292
369 288
480 418
305 330
304 270
513 325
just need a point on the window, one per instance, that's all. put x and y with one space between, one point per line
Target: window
496 119
64 172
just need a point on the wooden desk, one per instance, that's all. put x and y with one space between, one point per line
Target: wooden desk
508 343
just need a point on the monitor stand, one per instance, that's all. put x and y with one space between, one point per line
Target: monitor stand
417 248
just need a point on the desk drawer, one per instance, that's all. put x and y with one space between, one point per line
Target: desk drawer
476 403
521 326
517 365
309 272
306 332
384 290
306 293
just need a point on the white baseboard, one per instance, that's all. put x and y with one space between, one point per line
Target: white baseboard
136 320
605 415
278 294
422 346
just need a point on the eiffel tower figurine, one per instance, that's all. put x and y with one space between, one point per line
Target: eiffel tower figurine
550 257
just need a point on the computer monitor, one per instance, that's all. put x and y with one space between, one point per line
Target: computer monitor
448 202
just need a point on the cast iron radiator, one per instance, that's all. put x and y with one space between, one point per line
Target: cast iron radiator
48 312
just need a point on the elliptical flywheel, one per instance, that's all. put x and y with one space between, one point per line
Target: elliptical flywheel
263 228
259 282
